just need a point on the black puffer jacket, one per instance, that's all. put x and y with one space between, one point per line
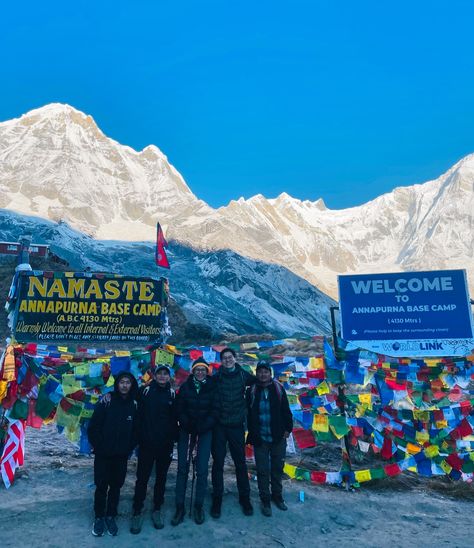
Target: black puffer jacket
197 413
281 418
231 394
157 423
112 429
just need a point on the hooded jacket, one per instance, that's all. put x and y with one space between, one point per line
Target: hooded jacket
157 423
197 412
112 429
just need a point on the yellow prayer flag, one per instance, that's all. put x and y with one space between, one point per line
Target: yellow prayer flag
3 389
122 353
362 475
81 369
110 382
289 470
316 363
423 416
446 467
62 348
431 363
164 357
422 437
365 398
322 388
320 423
431 451
441 424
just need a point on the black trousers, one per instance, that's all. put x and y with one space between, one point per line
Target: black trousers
235 437
203 448
109 476
270 460
148 457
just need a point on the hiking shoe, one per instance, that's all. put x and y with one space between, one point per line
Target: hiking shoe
136 524
199 514
247 507
98 528
279 503
157 519
216 507
112 528
178 515
266 509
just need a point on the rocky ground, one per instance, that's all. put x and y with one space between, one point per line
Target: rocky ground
50 505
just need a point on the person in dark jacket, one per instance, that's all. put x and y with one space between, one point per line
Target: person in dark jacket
269 424
157 430
231 381
112 432
197 414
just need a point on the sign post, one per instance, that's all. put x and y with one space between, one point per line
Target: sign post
83 306
408 313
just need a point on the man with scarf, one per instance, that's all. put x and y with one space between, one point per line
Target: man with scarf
197 414
269 424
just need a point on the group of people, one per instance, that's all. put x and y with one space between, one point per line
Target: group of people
207 414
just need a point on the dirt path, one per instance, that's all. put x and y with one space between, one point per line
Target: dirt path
50 505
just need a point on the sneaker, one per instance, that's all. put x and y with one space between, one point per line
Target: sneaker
98 528
157 519
279 503
266 509
247 507
112 528
178 515
216 507
199 514
136 524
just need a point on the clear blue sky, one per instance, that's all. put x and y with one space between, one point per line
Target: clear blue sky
342 100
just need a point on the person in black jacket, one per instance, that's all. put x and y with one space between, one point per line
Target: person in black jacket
269 424
197 414
231 381
112 434
157 431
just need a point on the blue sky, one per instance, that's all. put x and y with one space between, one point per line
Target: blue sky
341 100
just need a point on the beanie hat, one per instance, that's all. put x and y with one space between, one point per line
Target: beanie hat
162 367
200 362
265 365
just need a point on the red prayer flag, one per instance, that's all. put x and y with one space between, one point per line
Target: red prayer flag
454 461
392 469
318 477
303 438
160 254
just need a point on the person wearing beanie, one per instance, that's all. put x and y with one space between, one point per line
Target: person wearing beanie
231 382
197 413
157 431
112 433
269 424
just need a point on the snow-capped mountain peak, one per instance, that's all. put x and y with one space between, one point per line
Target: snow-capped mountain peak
57 164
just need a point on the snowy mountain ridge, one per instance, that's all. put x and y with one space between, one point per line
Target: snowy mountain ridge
57 164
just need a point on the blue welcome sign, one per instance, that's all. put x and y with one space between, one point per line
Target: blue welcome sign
407 313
